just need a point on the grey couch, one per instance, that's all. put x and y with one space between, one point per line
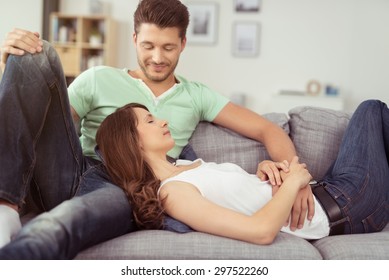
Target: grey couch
316 134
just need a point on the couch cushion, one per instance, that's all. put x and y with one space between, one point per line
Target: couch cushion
316 134
214 143
157 244
371 246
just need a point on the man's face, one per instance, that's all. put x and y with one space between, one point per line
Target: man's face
158 51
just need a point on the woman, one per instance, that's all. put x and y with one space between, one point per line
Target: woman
223 199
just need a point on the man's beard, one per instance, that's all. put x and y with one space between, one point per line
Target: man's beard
156 78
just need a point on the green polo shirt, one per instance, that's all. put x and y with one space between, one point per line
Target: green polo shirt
99 91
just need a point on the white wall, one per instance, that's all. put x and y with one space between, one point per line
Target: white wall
343 42
25 14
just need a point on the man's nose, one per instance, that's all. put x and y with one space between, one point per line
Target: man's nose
157 56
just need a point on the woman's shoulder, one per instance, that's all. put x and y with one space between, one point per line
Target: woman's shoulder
182 167
186 162
176 188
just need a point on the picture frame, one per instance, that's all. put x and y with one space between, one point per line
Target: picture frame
246 39
247 6
203 23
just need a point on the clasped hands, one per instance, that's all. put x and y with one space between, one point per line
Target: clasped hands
275 173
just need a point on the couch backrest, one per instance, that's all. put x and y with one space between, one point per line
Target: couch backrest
217 144
316 133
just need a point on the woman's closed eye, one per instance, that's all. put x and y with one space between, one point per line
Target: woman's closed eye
149 118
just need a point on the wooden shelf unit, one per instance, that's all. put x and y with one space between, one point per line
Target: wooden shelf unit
82 41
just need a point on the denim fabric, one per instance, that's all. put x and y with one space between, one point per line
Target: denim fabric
359 178
188 153
38 141
40 151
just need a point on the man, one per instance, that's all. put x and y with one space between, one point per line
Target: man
159 38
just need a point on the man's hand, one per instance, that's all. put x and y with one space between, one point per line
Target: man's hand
304 206
17 42
270 170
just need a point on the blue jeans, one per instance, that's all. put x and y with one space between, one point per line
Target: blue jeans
40 153
359 178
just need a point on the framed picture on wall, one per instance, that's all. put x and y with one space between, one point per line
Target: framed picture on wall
203 23
247 6
245 39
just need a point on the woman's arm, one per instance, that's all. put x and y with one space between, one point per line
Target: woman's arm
185 203
278 145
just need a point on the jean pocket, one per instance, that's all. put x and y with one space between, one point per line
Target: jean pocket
377 220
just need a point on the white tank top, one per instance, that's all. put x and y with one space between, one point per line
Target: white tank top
230 186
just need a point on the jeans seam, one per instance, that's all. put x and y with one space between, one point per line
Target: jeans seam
27 177
91 169
68 126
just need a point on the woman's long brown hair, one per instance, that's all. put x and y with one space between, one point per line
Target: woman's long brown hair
118 142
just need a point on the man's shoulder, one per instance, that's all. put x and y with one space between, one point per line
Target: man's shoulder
103 69
98 73
191 85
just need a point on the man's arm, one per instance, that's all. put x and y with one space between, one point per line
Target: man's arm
278 145
254 126
76 120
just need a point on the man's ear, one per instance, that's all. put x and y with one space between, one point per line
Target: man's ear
134 38
183 44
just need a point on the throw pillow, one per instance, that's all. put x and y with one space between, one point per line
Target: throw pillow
317 134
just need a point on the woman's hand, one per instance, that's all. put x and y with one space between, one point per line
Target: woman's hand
270 170
19 41
297 172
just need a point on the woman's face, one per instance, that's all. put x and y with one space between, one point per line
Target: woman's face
154 133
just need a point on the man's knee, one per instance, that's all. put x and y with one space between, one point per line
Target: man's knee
47 56
49 50
371 104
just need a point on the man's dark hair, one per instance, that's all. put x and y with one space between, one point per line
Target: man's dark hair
163 13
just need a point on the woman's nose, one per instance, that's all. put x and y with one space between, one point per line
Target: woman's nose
164 123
